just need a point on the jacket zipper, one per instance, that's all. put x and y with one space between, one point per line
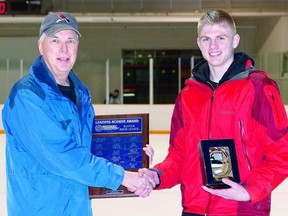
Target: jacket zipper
210 116
209 135
210 111
244 146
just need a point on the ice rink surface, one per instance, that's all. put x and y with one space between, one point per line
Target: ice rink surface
164 202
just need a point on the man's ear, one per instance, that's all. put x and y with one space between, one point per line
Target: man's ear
236 41
40 47
198 42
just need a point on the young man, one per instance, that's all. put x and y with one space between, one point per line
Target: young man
226 98
48 119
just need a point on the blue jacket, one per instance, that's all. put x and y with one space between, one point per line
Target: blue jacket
48 160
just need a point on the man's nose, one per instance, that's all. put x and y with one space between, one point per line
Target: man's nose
63 47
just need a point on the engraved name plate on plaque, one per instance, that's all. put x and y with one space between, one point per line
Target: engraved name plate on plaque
120 139
219 160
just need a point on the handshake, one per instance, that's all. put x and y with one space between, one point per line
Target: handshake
143 182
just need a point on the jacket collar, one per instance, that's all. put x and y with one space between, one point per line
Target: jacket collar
41 72
240 68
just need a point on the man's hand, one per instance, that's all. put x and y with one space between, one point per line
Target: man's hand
140 186
149 151
143 182
149 176
236 192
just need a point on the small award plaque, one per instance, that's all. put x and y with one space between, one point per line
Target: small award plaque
219 160
120 139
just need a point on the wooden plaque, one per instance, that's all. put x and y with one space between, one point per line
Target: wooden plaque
120 139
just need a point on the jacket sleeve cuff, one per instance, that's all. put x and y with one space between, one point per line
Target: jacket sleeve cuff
253 197
159 173
116 177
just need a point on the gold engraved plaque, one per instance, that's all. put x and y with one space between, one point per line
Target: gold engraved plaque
219 160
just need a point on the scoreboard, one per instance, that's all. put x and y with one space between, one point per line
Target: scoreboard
12 7
3 8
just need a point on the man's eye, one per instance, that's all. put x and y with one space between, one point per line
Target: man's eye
205 39
55 40
72 41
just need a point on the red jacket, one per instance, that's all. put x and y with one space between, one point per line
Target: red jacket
245 106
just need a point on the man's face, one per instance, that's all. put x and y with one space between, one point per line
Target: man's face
217 43
116 93
59 52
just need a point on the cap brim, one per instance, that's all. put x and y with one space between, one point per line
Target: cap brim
54 29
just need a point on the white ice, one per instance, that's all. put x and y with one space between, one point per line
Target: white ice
164 202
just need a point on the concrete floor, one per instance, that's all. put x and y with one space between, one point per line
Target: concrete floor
165 202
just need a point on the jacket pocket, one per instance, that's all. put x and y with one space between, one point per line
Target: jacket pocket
278 109
244 145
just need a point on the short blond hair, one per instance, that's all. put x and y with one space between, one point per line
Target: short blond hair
216 17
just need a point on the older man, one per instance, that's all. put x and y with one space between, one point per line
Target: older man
48 118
